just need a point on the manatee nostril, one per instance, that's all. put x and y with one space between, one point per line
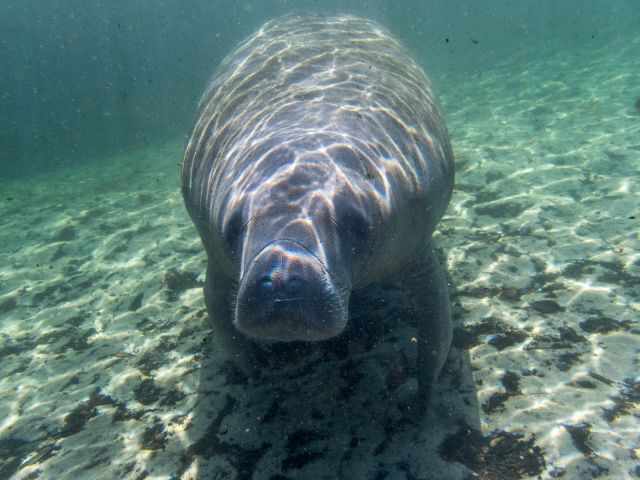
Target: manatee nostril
265 283
285 295
294 286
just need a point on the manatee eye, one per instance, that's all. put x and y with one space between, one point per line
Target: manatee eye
358 227
353 227
232 229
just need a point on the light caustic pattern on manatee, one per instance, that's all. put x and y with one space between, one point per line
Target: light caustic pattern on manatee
330 106
319 165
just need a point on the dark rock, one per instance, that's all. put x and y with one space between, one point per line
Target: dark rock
497 456
511 382
136 303
565 361
580 435
65 234
154 437
495 402
602 325
502 210
8 304
147 392
509 338
546 306
176 282
79 416
625 401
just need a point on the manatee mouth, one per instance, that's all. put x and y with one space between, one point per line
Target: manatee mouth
287 295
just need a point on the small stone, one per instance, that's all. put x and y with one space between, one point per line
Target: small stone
546 306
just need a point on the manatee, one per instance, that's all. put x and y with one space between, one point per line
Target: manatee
319 166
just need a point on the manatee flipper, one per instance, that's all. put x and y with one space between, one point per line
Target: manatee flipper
218 294
427 291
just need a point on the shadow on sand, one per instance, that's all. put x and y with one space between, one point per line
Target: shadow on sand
336 409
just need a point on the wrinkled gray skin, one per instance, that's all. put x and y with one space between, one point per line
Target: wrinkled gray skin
319 165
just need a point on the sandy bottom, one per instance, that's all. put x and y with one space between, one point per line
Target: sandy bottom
107 371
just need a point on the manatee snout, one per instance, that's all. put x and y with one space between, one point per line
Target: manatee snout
286 294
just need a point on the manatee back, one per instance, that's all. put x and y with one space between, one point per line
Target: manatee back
340 88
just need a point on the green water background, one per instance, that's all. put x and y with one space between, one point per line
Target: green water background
82 80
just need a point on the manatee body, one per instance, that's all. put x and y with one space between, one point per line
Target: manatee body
318 166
